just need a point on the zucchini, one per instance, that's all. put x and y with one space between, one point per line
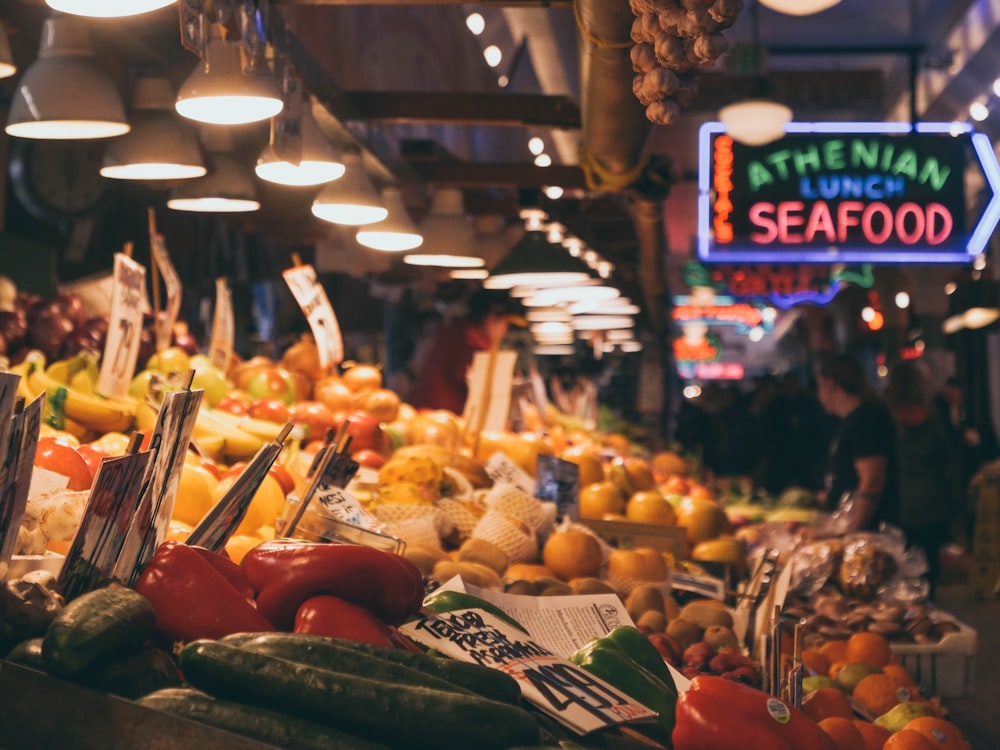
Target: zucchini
379 663
133 674
27 653
257 723
403 715
95 625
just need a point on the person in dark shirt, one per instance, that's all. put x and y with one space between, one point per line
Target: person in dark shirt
862 461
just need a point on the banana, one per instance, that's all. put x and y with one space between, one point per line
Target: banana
33 359
238 444
92 412
260 428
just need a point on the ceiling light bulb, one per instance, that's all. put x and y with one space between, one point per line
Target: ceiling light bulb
396 232
978 111
555 232
979 262
756 334
980 317
352 199
107 8
755 122
7 66
316 163
493 55
543 160
574 245
449 237
902 300
472 274
553 192
536 145
219 92
868 313
553 350
996 87
602 322
65 95
227 188
950 288
160 145
535 262
475 23
799 7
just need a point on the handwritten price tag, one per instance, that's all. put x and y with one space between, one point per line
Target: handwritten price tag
121 350
220 345
311 296
569 694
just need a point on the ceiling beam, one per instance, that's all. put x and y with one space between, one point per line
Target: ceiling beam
498 175
467 108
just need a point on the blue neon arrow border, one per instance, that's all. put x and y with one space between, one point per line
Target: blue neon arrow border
975 245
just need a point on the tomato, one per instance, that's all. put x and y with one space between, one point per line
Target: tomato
366 433
270 409
369 458
93 456
315 416
56 456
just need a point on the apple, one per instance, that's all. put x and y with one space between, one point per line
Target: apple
362 378
332 392
369 458
57 456
236 405
169 360
139 386
270 409
317 418
273 382
366 433
212 380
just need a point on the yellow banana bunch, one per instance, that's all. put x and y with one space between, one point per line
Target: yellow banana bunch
67 380
212 425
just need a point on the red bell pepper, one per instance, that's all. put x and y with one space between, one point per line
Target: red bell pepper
719 714
336 618
193 599
387 584
229 570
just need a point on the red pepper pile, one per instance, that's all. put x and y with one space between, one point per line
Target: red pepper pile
343 591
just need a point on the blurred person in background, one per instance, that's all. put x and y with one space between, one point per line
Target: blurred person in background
862 463
930 486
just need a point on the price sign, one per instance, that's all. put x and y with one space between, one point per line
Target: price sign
564 691
169 443
172 282
99 539
558 482
315 305
502 470
15 475
220 345
121 350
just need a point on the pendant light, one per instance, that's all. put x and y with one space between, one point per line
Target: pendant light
227 188
7 66
160 145
799 7
602 322
314 161
396 232
107 8
559 295
65 95
352 199
535 262
220 92
449 237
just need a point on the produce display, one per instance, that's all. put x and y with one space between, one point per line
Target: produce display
297 642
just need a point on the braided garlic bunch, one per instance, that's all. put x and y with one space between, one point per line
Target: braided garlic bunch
673 38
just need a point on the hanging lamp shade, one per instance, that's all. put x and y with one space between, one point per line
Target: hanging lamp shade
755 122
107 8
536 262
65 95
449 237
316 163
160 146
559 295
396 232
799 7
220 92
352 199
602 322
227 188
7 66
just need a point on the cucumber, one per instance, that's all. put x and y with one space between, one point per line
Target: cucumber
133 674
403 715
257 723
107 621
27 653
381 663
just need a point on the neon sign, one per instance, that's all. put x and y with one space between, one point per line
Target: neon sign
723 311
711 370
705 349
844 193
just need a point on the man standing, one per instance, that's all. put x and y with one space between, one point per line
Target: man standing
862 460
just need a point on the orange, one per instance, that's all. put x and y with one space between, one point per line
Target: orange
835 668
873 735
814 660
640 476
649 506
666 463
572 554
940 733
267 504
586 458
598 498
639 564
675 485
239 545
900 673
877 693
178 531
700 492
702 519
834 651
843 733
871 648
194 494
907 739
825 702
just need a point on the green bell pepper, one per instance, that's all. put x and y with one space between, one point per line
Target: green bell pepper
447 601
636 645
604 658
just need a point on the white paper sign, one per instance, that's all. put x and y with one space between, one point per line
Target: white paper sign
220 345
569 694
491 375
121 350
311 296
172 283
503 470
343 506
